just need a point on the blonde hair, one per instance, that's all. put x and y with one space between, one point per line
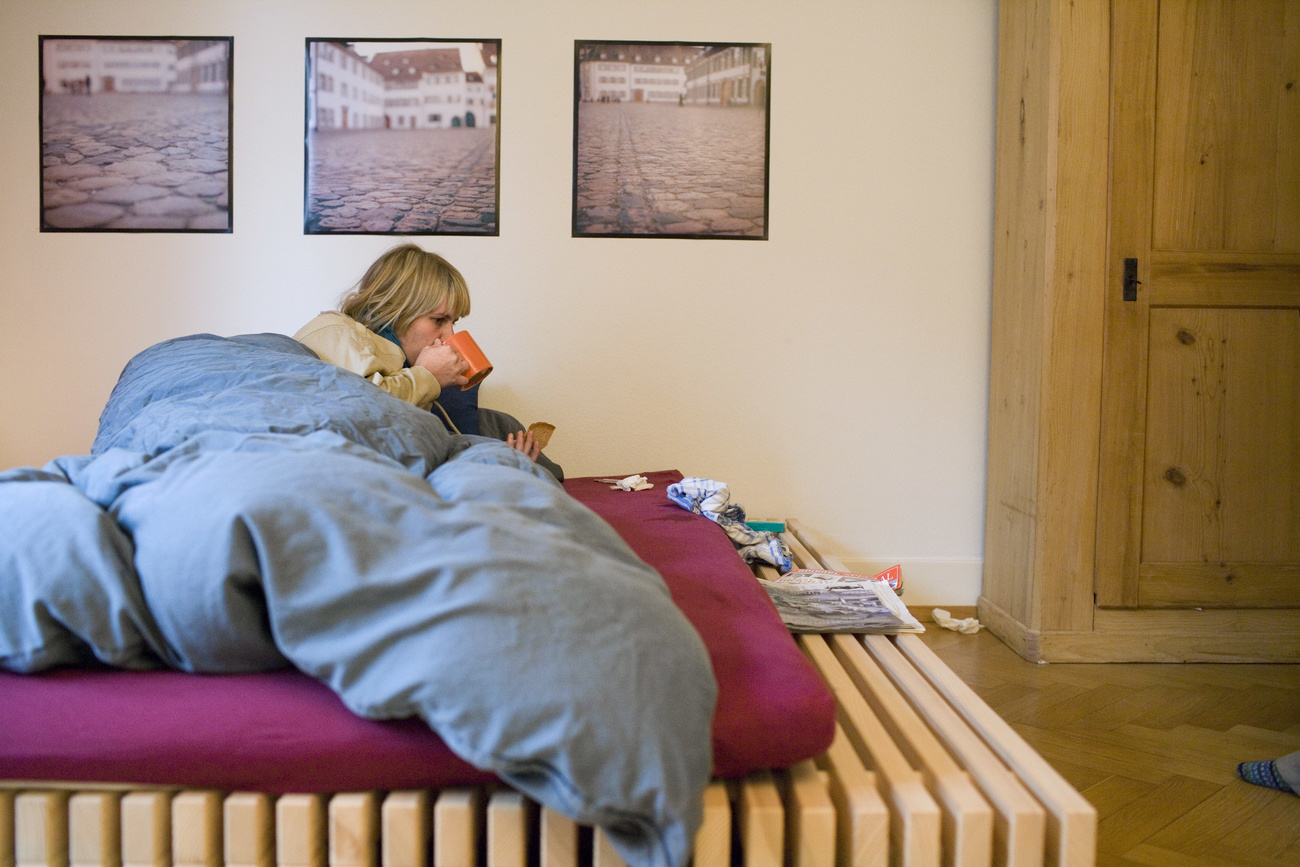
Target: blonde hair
404 284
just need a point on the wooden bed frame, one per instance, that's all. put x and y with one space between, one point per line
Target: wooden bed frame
921 772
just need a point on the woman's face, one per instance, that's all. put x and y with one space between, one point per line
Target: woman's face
438 325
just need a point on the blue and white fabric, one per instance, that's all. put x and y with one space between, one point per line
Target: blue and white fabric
247 506
713 500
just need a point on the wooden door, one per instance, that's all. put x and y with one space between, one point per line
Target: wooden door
1199 497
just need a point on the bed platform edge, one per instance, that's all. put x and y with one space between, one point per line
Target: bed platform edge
921 772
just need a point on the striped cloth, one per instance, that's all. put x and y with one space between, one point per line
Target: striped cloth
713 500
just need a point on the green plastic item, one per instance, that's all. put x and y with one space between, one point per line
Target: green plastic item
770 526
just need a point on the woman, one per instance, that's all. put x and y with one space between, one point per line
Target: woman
392 329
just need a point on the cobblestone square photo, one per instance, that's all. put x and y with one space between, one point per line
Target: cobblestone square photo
671 140
401 137
422 181
135 134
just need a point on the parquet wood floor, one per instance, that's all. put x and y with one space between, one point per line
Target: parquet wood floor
1153 747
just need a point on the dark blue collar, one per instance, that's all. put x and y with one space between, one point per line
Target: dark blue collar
388 333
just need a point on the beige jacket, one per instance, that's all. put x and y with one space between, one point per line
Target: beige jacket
344 342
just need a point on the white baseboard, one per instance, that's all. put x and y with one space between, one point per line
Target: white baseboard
931 582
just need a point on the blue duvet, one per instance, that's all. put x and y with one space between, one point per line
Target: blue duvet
246 507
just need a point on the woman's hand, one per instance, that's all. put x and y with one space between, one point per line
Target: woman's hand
523 441
444 363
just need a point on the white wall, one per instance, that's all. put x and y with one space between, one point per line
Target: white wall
837 372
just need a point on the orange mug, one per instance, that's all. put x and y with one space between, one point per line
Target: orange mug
479 366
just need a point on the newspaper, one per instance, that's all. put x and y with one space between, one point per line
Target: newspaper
819 600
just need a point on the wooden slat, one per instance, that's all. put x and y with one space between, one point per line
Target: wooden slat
803 557
1020 826
248 820
810 817
41 829
354 829
863 819
558 843
147 829
6 828
762 821
967 817
198 835
95 829
1071 821
820 558
405 826
713 840
301 832
915 818
456 827
603 853
507 828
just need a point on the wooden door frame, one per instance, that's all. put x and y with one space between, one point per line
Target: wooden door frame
1052 273
1048 283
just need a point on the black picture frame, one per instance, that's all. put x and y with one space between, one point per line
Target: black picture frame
671 139
136 133
401 137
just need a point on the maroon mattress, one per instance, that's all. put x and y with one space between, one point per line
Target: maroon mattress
285 732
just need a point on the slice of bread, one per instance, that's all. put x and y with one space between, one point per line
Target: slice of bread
541 433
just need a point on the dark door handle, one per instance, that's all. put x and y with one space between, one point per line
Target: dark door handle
1131 281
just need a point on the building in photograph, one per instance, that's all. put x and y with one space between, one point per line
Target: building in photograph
202 66
108 65
345 92
476 99
481 90
429 88
635 72
424 88
733 75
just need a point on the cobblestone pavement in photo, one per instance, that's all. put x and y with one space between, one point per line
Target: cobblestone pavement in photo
434 181
653 168
135 161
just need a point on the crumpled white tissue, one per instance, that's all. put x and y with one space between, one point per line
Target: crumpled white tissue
631 483
966 626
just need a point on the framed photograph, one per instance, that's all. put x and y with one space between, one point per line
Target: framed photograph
671 139
135 133
401 137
